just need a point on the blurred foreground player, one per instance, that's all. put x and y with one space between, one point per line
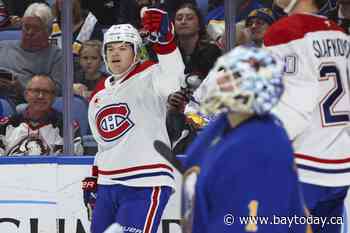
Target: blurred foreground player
242 163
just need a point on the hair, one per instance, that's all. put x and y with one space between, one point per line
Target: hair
42 11
76 8
196 10
92 44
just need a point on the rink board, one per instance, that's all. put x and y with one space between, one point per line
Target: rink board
43 195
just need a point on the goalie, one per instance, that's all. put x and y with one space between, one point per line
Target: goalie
238 161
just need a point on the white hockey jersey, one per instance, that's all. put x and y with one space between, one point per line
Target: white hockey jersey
315 106
127 115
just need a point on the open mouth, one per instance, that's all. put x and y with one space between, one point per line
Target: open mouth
116 61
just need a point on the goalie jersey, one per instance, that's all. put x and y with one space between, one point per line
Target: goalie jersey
315 105
241 173
127 115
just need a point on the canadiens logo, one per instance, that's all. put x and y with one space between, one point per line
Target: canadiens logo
113 121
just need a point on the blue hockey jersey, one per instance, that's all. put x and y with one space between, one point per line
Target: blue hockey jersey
242 179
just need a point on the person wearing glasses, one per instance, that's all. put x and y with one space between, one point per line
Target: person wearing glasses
32 54
38 130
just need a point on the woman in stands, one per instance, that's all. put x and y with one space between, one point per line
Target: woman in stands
198 52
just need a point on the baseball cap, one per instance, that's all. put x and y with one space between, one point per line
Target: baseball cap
261 13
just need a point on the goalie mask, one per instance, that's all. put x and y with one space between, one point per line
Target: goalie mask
255 76
122 33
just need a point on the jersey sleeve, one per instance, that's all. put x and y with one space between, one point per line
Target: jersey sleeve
170 74
301 87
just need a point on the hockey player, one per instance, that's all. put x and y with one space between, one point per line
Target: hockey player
126 116
315 106
241 165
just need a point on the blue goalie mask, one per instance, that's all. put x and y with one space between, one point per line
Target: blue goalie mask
245 80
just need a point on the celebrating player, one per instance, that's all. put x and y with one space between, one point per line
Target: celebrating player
126 116
315 106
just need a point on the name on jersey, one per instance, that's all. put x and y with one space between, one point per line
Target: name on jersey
112 121
331 48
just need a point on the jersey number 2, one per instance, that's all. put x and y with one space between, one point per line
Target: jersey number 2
329 116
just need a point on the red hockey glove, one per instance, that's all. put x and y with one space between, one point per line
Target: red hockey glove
89 186
157 23
177 102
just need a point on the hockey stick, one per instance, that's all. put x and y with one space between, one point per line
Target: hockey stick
166 152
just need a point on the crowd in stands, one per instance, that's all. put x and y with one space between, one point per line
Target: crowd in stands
36 48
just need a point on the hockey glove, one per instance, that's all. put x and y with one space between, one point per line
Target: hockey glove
89 186
177 102
157 23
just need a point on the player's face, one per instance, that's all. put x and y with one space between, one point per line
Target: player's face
40 95
90 60
120 56
186 22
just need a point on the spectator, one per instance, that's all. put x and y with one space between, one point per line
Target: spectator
38 130
33 53
256 25
84 27
199 55
90 61
198 52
